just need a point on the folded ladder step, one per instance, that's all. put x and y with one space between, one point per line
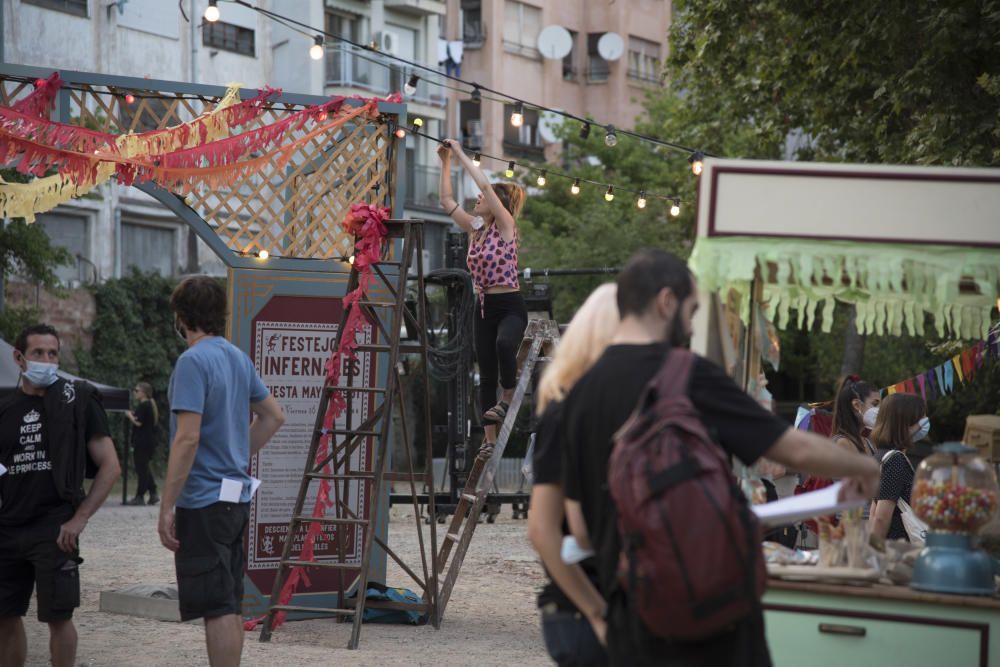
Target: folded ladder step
328 565
311 610
453 537
468 497
327 519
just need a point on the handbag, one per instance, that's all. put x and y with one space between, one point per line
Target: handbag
916 529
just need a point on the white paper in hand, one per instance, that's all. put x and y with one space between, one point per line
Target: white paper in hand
806 506
231 490
254 485
3 470
571 553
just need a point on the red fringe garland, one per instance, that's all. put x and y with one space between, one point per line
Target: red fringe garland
39 102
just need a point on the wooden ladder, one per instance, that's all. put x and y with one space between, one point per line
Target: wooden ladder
387 317
539 342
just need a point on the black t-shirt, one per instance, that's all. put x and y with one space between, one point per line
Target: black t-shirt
598 405
144 436
896 483
27 490
546 465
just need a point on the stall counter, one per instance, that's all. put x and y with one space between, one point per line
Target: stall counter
837 624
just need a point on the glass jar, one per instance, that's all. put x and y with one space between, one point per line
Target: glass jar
955 490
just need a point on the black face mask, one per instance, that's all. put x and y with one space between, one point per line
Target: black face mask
676 335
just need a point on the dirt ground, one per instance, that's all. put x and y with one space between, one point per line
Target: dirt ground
490 620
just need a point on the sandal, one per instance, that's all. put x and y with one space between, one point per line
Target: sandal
497 413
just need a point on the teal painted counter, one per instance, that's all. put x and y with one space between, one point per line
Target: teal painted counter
822 625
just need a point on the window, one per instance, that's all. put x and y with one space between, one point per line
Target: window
569 62
522 140
471 124
597 67
77 7
473 31
643 60
343 67
521 25
148 248
228 37
70 232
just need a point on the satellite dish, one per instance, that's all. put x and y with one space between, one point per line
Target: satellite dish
611 46
548 122
555 42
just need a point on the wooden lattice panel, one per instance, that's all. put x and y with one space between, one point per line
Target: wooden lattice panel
291 211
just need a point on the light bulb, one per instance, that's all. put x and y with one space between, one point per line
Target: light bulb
541 178
642 199
517 118
575 188
418 122
675 208
510 170
477 95
411 86
316 50
585 131
476 159
400 133
610 194
321 116
263 254
129 99
212 11
350 260
611 139
697 161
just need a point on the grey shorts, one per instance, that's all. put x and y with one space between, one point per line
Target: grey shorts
209 561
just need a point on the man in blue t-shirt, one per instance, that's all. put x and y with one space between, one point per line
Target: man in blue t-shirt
213 391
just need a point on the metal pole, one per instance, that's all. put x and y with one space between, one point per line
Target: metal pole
530 273
126 431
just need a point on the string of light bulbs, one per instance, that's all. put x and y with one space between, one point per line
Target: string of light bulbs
316 51
544 173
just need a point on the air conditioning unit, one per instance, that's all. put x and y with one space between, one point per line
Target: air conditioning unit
387 41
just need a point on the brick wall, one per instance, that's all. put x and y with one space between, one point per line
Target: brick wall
71 312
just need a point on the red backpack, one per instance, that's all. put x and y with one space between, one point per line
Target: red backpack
691 560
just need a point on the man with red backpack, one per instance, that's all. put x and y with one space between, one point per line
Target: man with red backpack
675 476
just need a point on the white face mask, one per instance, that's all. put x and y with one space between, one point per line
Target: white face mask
923 430
41 374
871 414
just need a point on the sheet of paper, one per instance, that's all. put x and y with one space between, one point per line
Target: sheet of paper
3 470
231 490
805 506
254 485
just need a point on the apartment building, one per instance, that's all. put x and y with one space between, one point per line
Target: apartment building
161 39
500 40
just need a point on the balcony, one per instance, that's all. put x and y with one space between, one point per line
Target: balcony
422 187
347 68
418 7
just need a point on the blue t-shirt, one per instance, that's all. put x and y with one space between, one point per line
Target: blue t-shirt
215 379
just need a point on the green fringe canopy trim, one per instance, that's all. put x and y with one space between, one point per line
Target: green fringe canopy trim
891 284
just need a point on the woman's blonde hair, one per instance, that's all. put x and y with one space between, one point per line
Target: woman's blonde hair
512 196
588 334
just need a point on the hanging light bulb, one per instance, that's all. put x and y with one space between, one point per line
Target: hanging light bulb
541 178
697 161
585 131
575 188
411 86
350 260
510 170
610 194
517 118
129 98
675 208
400 133
322 116
40 83
611 139
212 11
477 95
476 159
642 199
263 254
316 50
417 124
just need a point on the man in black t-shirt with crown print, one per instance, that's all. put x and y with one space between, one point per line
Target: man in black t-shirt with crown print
49 428
657 296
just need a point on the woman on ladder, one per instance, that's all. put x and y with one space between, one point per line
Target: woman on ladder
502 314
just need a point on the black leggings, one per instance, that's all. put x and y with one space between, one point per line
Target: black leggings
147 483
499 329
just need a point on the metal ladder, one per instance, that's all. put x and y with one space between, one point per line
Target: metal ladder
387 317
538 343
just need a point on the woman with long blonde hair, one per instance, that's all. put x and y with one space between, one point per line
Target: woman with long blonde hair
572 608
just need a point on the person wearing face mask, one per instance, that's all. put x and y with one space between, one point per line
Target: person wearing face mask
902 421
854 412
52 433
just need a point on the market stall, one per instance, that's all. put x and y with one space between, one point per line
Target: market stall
910 247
